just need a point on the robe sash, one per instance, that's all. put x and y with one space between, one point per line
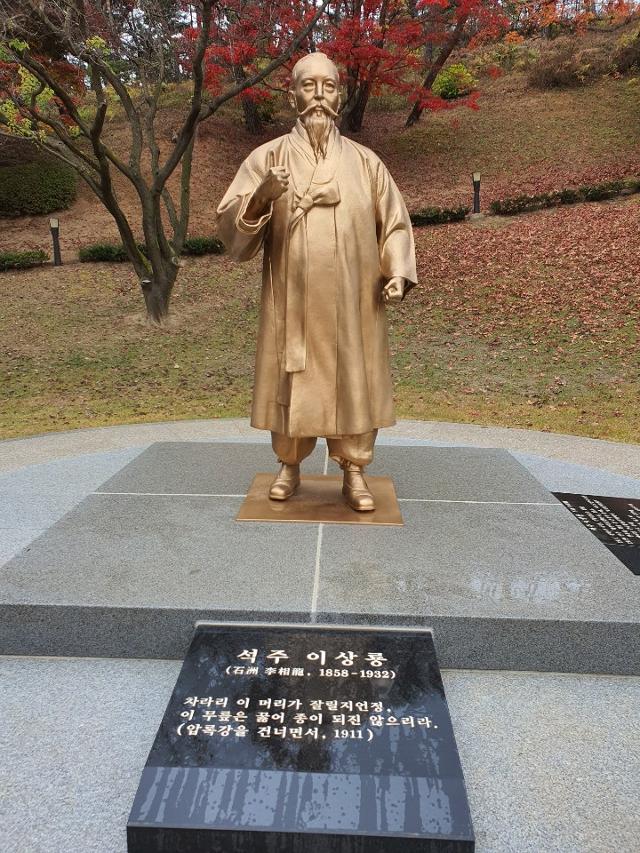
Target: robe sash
297 272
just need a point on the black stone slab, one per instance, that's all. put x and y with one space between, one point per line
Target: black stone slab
615 521
362 758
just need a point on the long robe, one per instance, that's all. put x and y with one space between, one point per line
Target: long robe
331 242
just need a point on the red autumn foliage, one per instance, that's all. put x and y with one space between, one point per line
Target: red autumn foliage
243 36
376 44
68 75
402 47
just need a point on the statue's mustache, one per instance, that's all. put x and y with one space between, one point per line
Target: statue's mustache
315 106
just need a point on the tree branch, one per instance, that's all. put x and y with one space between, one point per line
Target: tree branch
198 114
52 149
129 107
444 54
187 130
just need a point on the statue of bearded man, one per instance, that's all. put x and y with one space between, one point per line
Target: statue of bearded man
338 248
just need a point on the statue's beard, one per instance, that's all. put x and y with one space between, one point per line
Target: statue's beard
318 126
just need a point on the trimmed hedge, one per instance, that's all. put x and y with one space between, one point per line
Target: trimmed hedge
602 191
203 246
594 192
36 188
439 215
115 253
108 252
22 260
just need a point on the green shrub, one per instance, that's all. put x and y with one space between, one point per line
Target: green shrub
203 246
22 260
454 81
601 191
521 204
569 196
439 215
105 252
508 57
626 56
115 253
38 187
594 62
595 192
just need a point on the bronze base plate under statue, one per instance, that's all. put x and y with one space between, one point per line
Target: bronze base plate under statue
319 499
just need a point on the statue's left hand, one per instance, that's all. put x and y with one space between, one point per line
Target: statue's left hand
393 291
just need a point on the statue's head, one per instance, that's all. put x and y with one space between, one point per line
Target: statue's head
315 95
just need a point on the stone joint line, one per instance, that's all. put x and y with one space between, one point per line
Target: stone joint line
400 500
316 575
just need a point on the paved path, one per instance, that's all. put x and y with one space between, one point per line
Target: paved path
551 762
615 457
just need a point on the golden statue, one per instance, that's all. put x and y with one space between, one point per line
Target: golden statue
338 248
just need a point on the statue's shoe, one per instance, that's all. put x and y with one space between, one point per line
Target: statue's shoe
355 489
285 483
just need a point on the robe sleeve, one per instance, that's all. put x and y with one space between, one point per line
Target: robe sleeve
395 236
242 239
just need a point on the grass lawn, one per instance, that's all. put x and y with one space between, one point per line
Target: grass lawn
528 321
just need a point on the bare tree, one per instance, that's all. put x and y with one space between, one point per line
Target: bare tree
112 44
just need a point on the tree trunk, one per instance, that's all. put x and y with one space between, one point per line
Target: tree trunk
156 290
252 119
354 118
428 81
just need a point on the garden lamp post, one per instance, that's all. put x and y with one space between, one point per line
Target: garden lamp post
476 192
54 225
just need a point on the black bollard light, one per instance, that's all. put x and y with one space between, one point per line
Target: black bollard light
476 192
54 225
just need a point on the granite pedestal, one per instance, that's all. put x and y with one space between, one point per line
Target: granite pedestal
507 577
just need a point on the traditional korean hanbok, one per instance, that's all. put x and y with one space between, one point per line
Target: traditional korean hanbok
331 242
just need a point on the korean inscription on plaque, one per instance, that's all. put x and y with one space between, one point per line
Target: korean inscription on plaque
615 521
285 736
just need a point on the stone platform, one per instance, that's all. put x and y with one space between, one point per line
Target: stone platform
551 760
504 574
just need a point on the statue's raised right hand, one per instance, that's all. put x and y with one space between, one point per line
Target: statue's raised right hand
274 184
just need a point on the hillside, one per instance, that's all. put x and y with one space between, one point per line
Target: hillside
531 320
520 139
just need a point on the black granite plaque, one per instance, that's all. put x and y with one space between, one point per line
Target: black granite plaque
615 521
304 738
